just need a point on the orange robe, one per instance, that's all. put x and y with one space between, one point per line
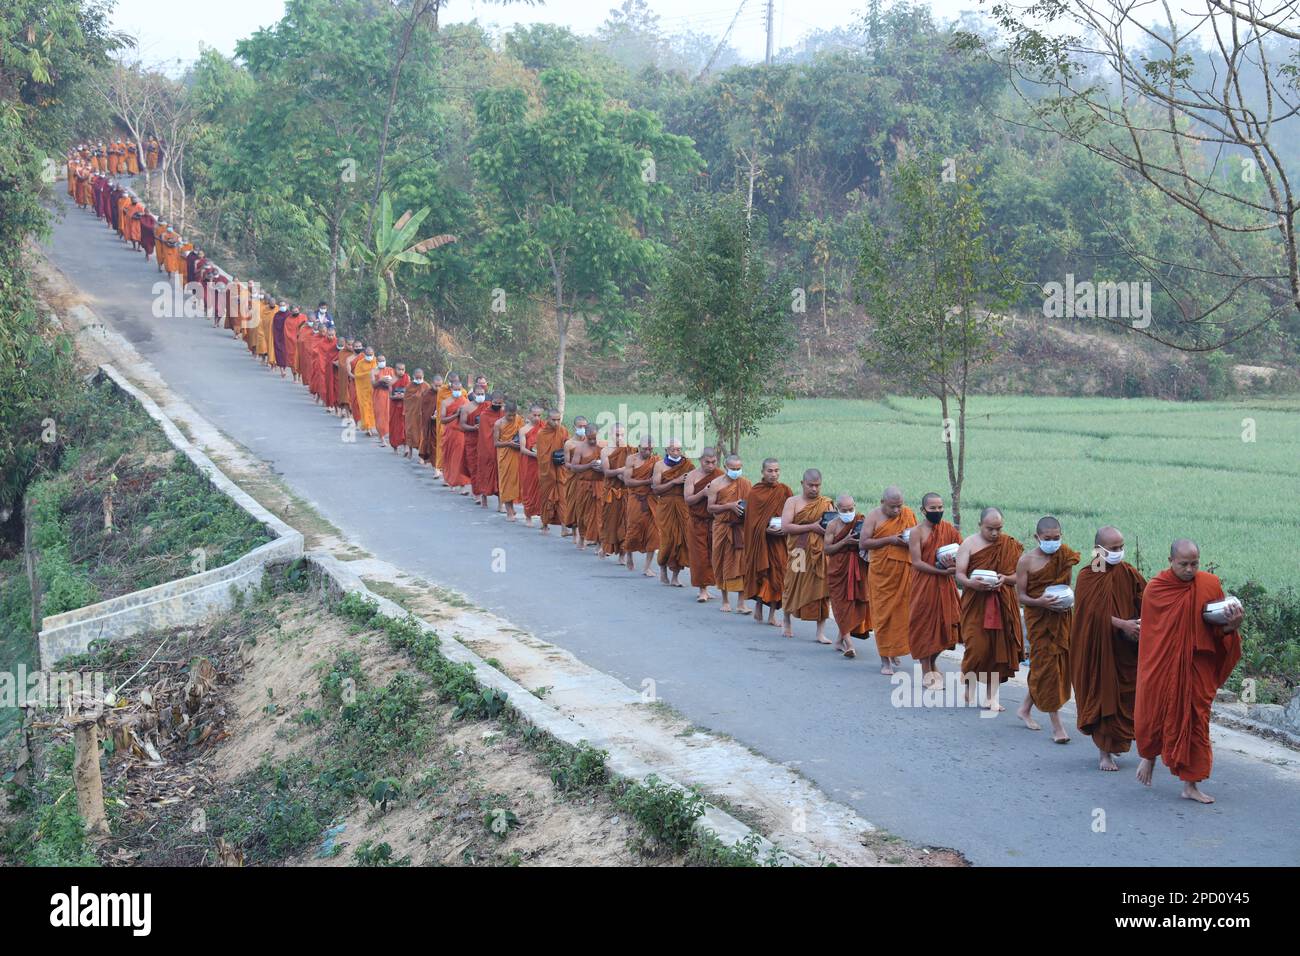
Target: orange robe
381 398
587 493
344 359
1103 662
990 620
890 586
551 478
485 471
765 554
642 533
454 442
699 535
415 397
672 520
292 326
508 460
729 538
806 594
528 486
846 580
303 343
1049 634
1182 662
933 611
434 443
614 515
569 499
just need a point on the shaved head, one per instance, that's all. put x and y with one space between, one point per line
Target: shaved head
1184 559
812 474
1109 537
892 494
1047 523
989 513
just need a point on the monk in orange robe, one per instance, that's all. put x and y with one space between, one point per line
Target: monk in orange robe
806 594
454 439
486 481
528 459
1104 646
381 383
725 499
293 341
416 395
613 519
990 616
885 534
1047 621
642 533
551 474
432 438
586 480
569 500
343 381
505 438
359 354
846 575
765 551
397 407
1183 660
132 158
302 340
933 611
672 517
469 416
327 348
699 528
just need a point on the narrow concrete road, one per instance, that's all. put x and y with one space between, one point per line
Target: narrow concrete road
988 787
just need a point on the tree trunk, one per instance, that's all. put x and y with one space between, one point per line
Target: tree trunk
89 784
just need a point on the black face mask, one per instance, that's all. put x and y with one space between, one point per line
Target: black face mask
496 408
934 517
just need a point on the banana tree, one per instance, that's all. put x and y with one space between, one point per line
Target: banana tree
394 245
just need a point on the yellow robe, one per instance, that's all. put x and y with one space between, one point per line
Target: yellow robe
365 390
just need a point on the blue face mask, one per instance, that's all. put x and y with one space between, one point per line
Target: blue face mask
733 473
455 393
670 460
1050 547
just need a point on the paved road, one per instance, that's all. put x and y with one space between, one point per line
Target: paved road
941 777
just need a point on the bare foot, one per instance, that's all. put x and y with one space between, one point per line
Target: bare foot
741 609
726 608
1193 792
650 573
772 621
995 708
824 640
1145 767
758 614
886 668
1107 762
785 633
1023 714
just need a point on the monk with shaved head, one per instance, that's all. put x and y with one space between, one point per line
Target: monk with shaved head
725 500
846 575
885 533
1104 646
1182 662
528 463
551 473
613 516
1047 621
642 530
805 594
667 483
990 616
700 528
933 614
765 549
571 490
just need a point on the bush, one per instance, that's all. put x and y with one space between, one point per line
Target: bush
1270 642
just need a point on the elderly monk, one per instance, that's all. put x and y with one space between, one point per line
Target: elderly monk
551 475
806 594
765 551
381 382
672 518
506 441
365 387
486 482
885 534
613 516
990 617
933 612
1047 623
416 394
397 407
642 532
725 499
1182 662
570 490
586 477
1104 646
846 575
528 488
454 439
699 530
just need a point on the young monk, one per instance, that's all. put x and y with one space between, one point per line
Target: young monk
642 532
505 439
933 613
805 594
528 483
668 484
1048 622
846 575
1182 662
613 519
725 500
700 528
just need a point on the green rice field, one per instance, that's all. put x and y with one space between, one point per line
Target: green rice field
1158 470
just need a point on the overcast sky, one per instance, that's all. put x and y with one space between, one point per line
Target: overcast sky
165 36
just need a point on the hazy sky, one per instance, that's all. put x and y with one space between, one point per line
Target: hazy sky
165 36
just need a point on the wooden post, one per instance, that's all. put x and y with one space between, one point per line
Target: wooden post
85 774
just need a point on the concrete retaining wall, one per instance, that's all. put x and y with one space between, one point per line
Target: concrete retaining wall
189 600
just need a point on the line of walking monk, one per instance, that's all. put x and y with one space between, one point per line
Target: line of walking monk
1138 656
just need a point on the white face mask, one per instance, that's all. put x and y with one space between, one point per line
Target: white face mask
847 516
419 381
580 431
1050 547
383 363
1113 557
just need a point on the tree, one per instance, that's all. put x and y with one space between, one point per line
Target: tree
718 331
572 184
935 293
1203 126
394 244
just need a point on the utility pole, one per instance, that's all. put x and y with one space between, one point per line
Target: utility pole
770 27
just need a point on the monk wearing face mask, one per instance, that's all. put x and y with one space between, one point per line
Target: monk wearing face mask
413 401
454 475
933 613
1047 621
846 575
672 517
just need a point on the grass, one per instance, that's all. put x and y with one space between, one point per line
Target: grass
1158 470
